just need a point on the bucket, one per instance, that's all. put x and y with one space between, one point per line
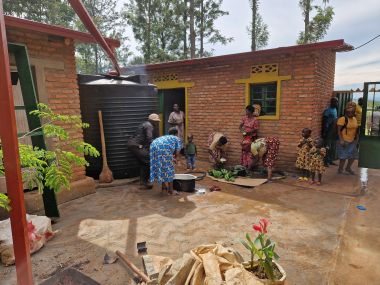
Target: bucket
184 182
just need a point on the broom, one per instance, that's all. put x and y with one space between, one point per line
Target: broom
106 175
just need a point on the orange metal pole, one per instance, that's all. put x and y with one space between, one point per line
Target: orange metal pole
9 142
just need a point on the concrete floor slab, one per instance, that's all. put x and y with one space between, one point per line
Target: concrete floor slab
307 225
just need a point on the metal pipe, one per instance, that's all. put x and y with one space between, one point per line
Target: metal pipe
82 13
8 134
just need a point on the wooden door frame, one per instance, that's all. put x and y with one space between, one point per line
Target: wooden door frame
164 85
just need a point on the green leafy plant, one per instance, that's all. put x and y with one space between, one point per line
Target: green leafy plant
4 201
223 173
263 248
52 168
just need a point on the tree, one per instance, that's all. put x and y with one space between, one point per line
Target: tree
316 28
206 13
91 58
185 26
55 12
258 29
192 29
158 27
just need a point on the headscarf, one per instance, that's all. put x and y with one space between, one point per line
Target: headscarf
215 140
351 106
257 110
259 147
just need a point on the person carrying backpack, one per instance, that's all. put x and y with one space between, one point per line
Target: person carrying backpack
348 134
329 130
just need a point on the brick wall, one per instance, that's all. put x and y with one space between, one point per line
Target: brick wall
60 83
217 103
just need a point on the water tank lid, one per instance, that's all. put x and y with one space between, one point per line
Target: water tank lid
110 81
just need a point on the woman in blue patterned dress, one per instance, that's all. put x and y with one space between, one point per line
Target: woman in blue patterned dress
163 155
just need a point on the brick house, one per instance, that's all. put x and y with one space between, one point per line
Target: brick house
51 55
293 85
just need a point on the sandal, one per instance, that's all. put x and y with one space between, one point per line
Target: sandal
312 182
318 183
350 171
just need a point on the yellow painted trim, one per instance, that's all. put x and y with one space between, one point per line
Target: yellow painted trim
186 112
173 85
265 78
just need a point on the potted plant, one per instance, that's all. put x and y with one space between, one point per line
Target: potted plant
264 265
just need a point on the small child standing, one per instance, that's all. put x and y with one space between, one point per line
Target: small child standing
303 158
317 164
190 152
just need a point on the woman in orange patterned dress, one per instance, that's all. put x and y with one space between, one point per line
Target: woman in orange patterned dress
303 157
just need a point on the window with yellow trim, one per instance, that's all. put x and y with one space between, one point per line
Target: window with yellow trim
264 95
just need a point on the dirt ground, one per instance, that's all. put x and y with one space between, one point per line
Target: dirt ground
322 238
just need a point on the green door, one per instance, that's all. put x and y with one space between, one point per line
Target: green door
369 152
19 51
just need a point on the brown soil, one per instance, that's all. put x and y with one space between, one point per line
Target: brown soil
260 273
306 225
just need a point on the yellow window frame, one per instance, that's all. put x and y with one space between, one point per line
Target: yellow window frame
260 78
174 84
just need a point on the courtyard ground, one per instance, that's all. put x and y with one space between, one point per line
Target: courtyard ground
322 238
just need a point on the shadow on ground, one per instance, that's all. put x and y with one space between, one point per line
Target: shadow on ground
307 225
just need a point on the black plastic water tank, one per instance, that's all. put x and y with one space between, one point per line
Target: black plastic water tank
124 104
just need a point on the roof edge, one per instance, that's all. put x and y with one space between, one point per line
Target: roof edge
19 23
335 45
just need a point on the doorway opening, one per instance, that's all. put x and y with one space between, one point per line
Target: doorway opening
167 98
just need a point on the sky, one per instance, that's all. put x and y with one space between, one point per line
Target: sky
355 21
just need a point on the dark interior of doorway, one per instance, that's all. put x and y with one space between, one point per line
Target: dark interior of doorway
171 97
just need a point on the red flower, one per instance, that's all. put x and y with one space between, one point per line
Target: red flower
264 224
257 228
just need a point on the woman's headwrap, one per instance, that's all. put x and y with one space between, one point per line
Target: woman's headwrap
257 110
258 147
351 106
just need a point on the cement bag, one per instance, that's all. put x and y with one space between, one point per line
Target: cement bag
39 232
207 265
